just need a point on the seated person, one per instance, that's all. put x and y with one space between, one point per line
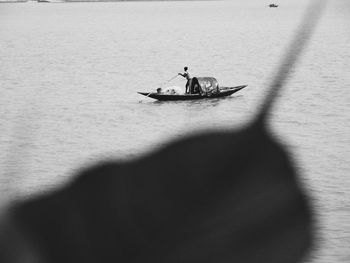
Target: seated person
195 88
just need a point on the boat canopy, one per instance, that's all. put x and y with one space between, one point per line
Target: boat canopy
207 85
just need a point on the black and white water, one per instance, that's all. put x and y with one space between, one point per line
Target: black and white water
69 74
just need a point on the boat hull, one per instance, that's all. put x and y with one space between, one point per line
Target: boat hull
227 91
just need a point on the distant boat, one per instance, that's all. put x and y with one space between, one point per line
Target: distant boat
50 1
273 5
201 88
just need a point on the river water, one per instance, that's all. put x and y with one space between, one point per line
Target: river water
69 74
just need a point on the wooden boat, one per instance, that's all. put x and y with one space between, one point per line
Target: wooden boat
200 88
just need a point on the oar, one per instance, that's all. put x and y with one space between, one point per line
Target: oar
168 80
162 85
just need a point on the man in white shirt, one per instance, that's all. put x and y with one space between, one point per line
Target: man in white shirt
187 76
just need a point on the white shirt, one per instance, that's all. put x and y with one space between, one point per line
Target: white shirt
187 75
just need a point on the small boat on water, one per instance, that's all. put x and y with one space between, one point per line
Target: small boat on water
273 5
50 1
200 88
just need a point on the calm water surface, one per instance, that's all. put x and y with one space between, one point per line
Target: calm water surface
69 74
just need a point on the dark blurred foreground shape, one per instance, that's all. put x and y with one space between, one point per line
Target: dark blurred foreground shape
233 197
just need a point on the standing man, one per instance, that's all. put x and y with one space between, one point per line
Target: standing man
187 76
